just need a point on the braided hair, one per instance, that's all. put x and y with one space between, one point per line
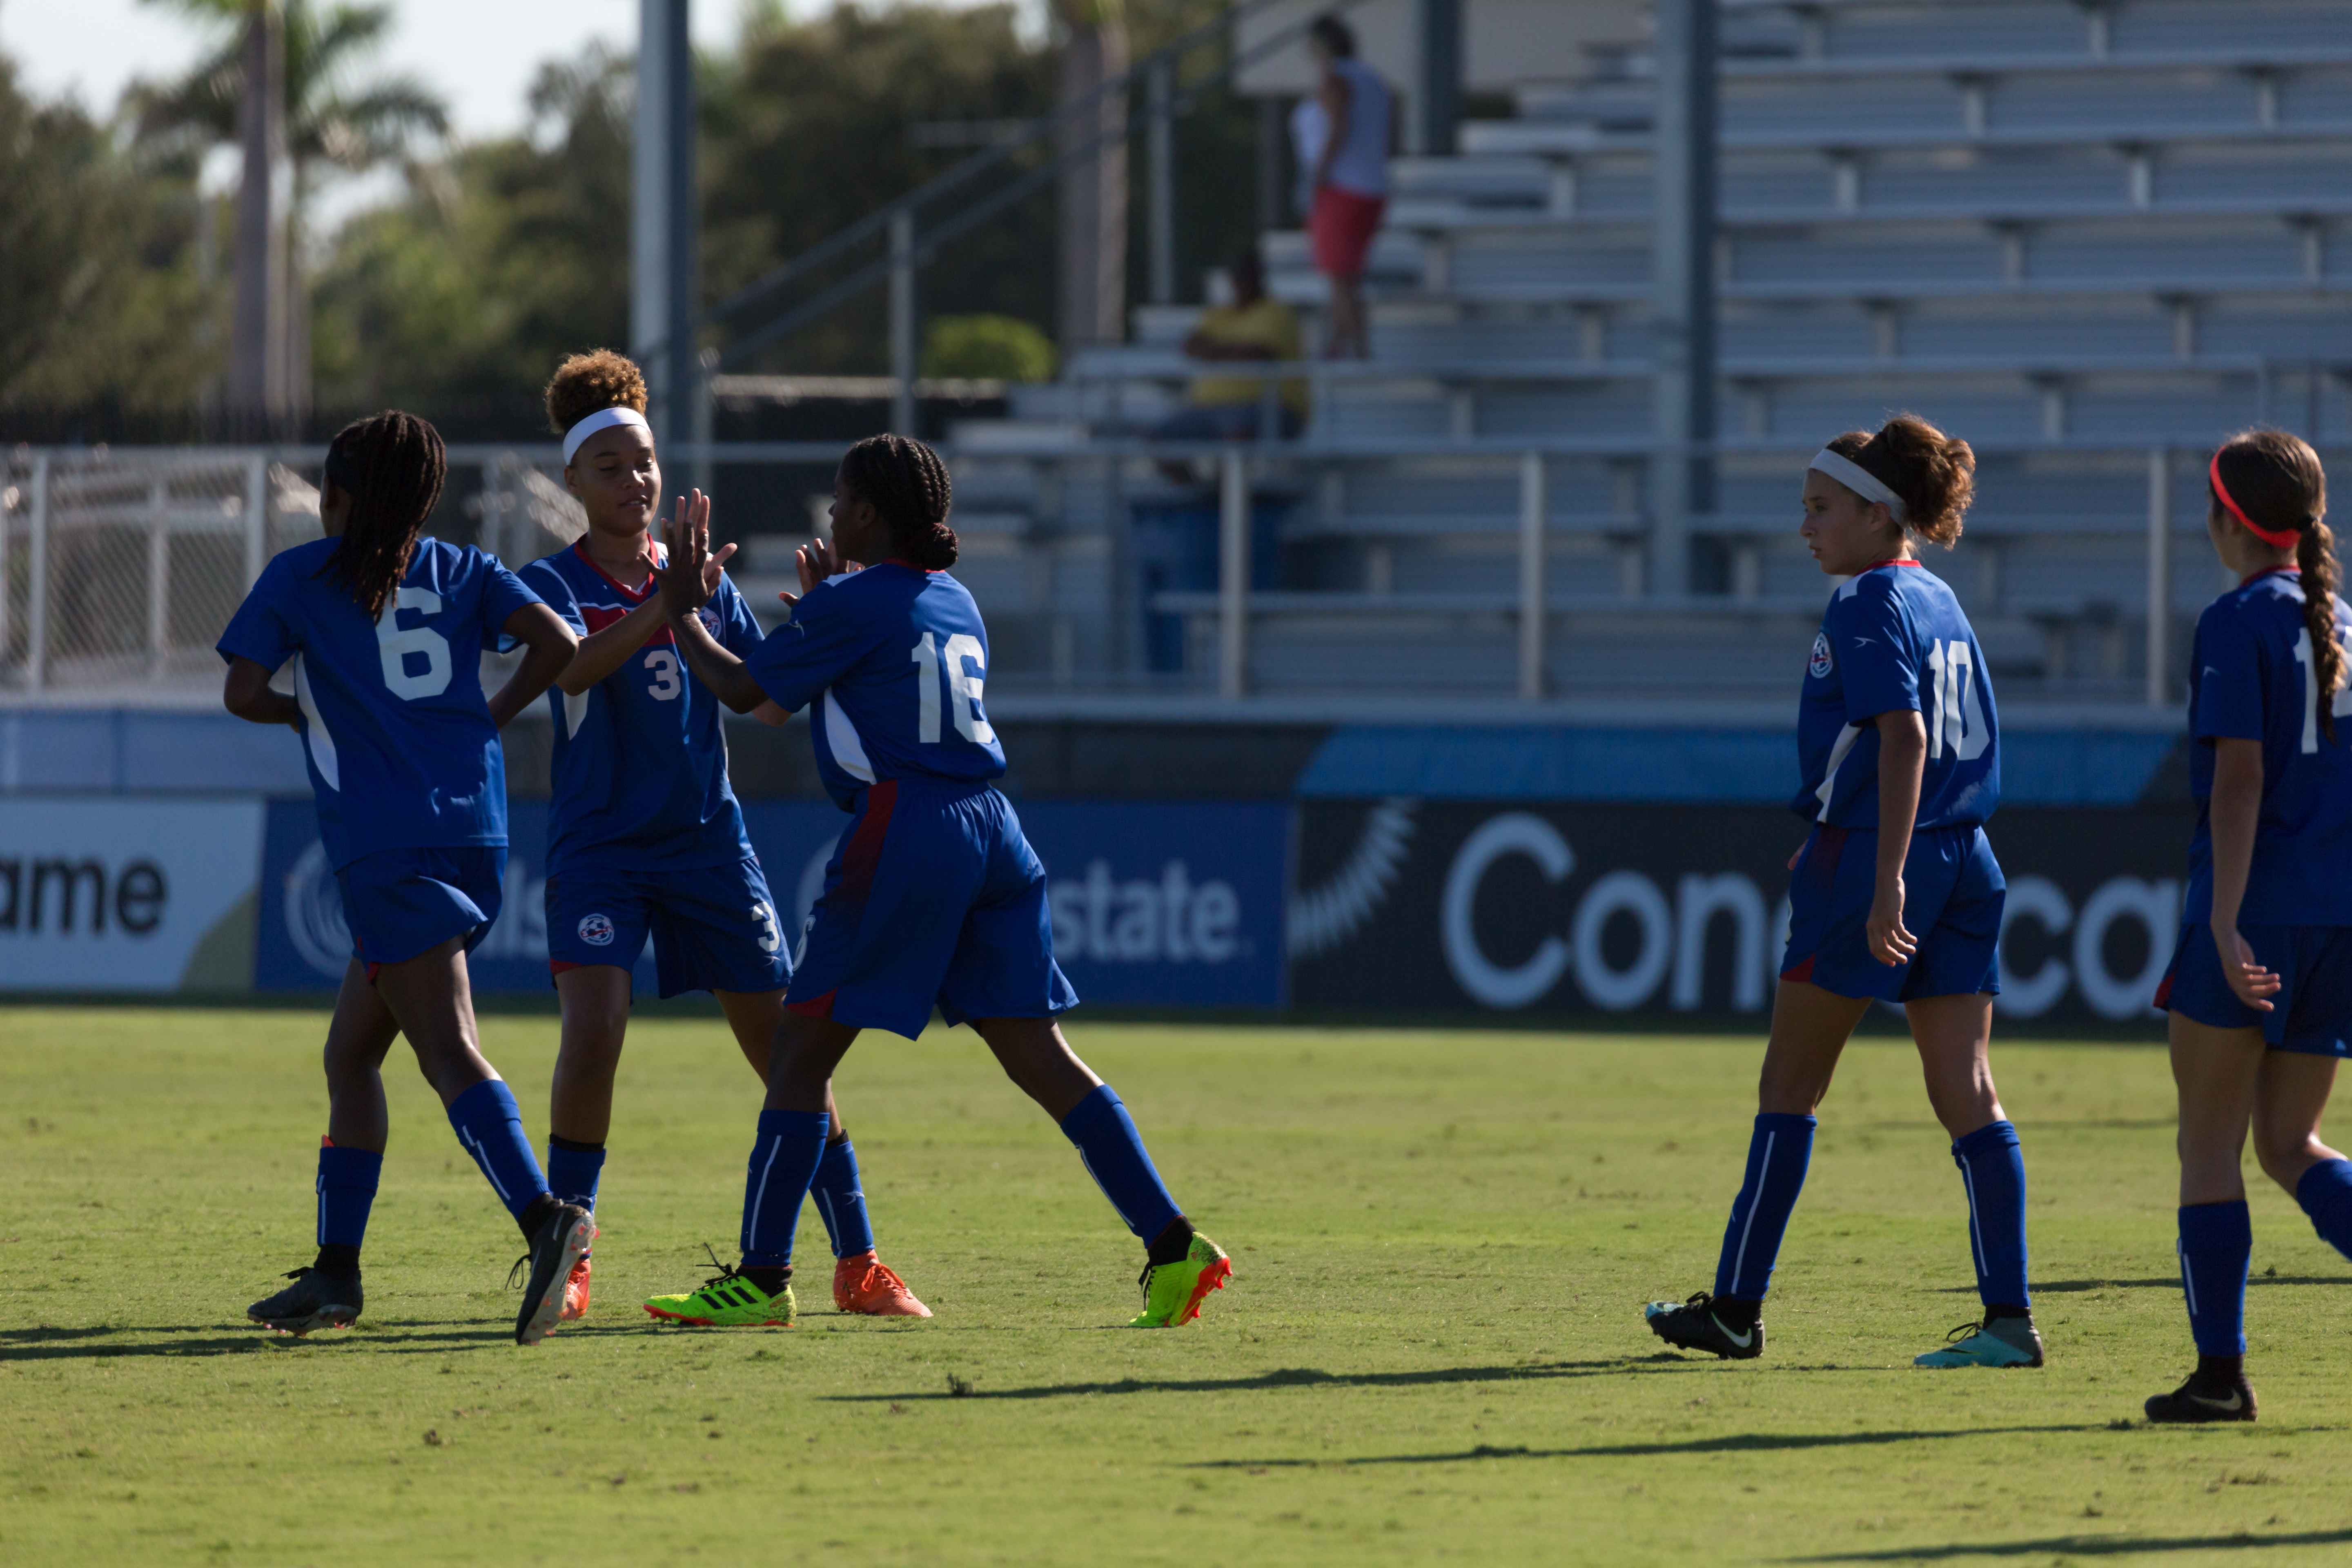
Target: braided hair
907 484
392 465
2276 479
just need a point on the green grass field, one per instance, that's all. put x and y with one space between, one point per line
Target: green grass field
1431 1348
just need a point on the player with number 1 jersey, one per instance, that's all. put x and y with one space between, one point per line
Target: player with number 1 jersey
934 899
646 840
1899 748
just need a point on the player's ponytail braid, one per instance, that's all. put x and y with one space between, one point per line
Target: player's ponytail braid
908 485
2276 479
392 465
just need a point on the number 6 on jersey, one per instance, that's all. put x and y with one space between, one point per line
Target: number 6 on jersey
964 688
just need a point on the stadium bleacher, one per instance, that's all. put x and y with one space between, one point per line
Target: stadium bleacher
2071 232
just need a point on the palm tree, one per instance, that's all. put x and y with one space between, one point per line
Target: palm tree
333 122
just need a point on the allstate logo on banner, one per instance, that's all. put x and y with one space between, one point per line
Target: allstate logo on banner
314 914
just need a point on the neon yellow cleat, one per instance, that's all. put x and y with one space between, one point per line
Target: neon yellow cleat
1172 1292
728 1301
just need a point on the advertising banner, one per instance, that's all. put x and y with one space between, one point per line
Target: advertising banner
128 894
1683 910
1153 904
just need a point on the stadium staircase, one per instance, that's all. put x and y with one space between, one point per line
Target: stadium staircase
2073 233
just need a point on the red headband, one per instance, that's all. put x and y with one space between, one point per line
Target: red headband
2276 537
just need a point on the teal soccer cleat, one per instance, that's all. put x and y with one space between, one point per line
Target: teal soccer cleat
1997 1341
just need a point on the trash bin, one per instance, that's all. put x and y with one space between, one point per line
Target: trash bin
1174 549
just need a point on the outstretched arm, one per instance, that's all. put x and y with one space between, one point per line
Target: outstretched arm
729 677
604 651
247 694
551 644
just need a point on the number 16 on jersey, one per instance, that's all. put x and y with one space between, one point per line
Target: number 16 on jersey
963 685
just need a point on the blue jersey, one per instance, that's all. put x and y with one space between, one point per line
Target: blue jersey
894 657
2254 682
403 754
1894 639
640 770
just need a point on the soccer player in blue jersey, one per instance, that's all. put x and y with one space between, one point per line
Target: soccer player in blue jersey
385 631
2260 986
934 898
645 836
1896 894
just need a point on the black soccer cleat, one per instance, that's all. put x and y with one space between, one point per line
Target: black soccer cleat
318 1298
1693 1326
2203 1399
559 1242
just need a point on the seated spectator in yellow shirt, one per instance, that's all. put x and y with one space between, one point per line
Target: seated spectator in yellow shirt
1231 407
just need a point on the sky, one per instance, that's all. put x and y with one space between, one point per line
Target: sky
480 54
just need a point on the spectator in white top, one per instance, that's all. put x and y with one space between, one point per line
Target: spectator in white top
1343 135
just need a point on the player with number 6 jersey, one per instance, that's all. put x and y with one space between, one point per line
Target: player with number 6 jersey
2260 986
644 837
934 898
385 630
1898 742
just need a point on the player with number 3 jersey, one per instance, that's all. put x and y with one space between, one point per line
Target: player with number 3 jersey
644 837
1898 741
2260 986
934 898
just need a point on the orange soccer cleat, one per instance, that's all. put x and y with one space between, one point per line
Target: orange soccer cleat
861 1284
575 1292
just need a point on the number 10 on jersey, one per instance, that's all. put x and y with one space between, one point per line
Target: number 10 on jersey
964 688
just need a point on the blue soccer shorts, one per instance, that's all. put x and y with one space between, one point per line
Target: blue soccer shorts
1952 896
933 899
714 928
400 903
2312 1012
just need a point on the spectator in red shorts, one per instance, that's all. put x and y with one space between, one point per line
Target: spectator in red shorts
1343 135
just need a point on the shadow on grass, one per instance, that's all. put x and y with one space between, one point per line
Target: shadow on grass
1735 1443
2166 1282
1304 1377
92 1343
2087 1546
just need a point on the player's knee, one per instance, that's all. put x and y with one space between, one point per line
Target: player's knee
2284 1152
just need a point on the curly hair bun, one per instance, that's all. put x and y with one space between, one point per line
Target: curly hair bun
1933 473
587 384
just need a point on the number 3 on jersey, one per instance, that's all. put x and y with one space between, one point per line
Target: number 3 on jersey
964 688
2341 708
662 663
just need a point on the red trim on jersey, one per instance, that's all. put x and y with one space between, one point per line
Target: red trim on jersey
371 972
815 1006
635 595
863 854
2271 572
1802 973
599 616
2164 992
1893 560
556 966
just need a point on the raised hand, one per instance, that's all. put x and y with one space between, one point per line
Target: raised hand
820 559
689 576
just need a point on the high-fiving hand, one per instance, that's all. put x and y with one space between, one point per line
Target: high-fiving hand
818 560
690 576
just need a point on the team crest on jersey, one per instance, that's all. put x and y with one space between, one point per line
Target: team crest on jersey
1821 663
596 931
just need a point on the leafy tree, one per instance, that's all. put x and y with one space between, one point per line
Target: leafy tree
97 270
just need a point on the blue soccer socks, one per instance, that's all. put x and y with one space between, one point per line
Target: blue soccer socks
2325 1191
1993 1168
840 1202
2217 1241
784 1163
1779 1151
574 1170
346 1181
490 1127
1114 1155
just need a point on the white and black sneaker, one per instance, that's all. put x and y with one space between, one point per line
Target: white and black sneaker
1695 1325
557 1242
318 1298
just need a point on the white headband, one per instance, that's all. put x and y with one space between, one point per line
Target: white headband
602 419
1857 479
